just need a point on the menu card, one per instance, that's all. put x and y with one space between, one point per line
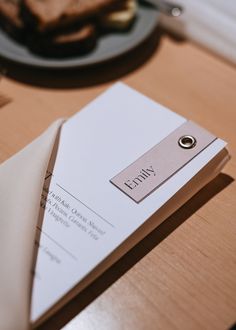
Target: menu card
117 162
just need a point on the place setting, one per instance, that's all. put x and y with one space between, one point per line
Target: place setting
117 180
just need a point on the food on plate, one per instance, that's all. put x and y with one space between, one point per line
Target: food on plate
10 19
120 18
62 28
48 15
79 40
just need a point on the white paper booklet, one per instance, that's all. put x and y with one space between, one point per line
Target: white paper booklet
119 160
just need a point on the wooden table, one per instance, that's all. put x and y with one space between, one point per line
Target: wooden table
183 275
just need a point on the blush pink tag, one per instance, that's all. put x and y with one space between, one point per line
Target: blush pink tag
158 164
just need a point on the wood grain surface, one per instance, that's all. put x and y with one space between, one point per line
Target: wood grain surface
183 275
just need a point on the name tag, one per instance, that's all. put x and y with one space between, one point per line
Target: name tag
158 164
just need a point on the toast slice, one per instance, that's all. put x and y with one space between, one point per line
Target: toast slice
79 39
10 19
46 15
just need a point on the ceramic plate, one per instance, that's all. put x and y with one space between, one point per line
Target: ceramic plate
108 46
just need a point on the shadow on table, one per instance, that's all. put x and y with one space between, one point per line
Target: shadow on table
87 76
135 254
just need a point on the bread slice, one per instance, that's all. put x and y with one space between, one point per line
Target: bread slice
75 41
78 39
10 19
48 15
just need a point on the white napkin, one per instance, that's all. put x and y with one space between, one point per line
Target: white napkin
21 181
210 23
